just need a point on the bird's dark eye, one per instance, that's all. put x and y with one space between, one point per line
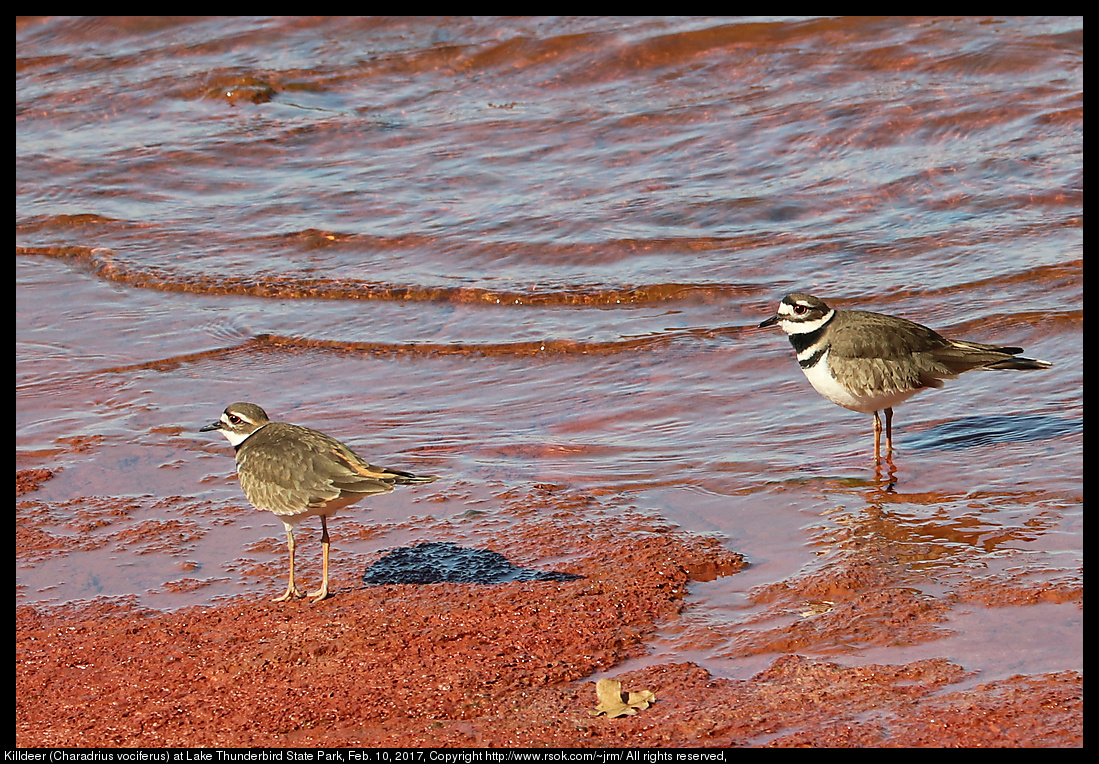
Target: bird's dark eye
234 419
800 309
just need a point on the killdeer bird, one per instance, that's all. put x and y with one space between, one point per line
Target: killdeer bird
297 473
870 362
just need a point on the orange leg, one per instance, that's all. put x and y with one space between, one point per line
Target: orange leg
291 589
321 593
888 434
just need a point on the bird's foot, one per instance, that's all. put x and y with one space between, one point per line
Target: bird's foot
320 594
291 593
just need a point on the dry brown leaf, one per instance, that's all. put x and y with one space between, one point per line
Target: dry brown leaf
614 703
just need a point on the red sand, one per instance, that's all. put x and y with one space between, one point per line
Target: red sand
500 665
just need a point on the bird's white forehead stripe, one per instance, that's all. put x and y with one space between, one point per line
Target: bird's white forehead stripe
788 308
226 418
797 326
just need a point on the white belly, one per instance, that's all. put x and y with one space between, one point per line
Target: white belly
820 377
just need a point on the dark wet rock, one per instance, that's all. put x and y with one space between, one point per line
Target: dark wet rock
439 562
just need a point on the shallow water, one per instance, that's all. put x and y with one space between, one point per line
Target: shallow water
533 252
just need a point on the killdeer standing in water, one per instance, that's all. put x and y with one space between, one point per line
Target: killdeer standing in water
870 362
297 473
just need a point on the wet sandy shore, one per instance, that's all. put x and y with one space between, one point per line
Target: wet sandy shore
503 665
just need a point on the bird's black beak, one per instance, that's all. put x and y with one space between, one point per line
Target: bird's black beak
770 321
212 426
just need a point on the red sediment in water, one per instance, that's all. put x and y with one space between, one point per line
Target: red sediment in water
30 480
107 265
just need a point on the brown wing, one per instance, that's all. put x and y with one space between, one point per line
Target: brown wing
898 354
286 469
362 469
887 354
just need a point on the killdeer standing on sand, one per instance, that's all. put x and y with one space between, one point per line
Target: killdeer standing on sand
870 362
297 473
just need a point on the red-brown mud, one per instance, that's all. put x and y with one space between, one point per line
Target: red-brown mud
501 665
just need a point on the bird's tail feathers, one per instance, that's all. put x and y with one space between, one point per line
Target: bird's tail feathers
1021 364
